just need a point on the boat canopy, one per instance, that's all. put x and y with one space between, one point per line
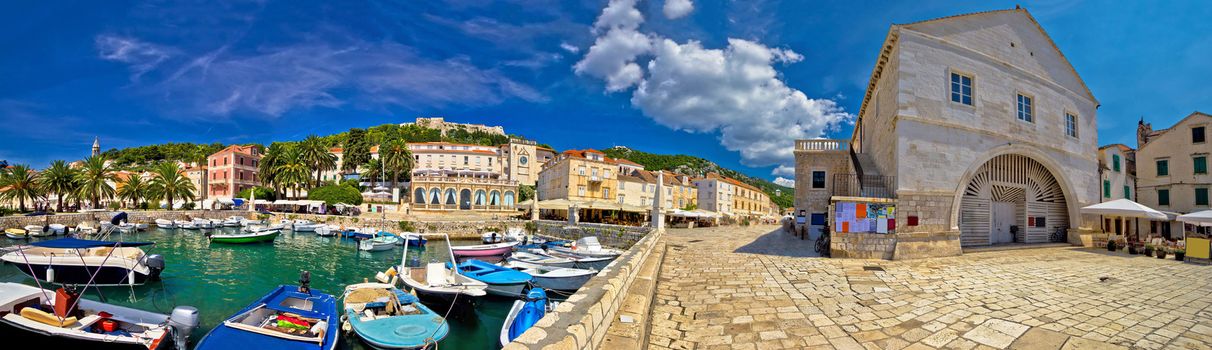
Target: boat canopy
76 243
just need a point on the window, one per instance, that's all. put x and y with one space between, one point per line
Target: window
1024 109
606 192
1115 162
581 190
1163 167
1070 125
1127 192
1201 196
1107 188
1201 164
961 88
818 179
1197 135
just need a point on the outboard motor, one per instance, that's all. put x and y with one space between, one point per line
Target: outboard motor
305 282
183 320
155 263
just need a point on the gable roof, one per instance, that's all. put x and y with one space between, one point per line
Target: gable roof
1163 132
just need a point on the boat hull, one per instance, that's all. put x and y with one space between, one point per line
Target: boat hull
245 239
570 283
481 252
511 290
68 274
16 334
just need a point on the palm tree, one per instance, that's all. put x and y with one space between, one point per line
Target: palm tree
133 190
20 183
397 159
313 153
94 178
169 183
374 168
59 179
268 169
293 171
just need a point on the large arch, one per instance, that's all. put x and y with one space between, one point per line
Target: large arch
435 196
1032 157
509 199
418 196
465 199
450 197
494 197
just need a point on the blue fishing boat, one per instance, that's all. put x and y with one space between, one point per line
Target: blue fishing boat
289 317
386 317
501 281
412 239
524 314
351 233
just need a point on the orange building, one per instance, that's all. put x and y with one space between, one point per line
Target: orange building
232 170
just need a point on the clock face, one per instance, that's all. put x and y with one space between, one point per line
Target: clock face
522 160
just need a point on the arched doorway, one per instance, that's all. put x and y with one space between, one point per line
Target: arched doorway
1011 198
419 196
435 196
465 199
450 197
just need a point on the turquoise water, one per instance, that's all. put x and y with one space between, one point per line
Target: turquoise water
221 279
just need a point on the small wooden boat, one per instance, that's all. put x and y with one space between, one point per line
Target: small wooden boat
378 244
491 237
258 236
554 278
483 250
57 229
388 318
437 282
579 261
289 317
36 231
541 259
16 233
87 325
501 281
165 223
524 314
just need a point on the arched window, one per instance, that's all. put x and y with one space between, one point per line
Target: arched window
509 198
494 198
419 196
450 197
435 196
480 197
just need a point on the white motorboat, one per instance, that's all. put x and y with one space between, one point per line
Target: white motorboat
165 223
203 223
491 237
25 321
579 261
253 222
36 231
141 226
328 230
589 247
78 261
188 225
85 228
378 244
233 221
437 281
541 259
181 223
515 234
57 229
306 226
16 233
556 278
126 228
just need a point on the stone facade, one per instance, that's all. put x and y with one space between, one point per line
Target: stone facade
824 158
451 193
444 126
1178 148
523 159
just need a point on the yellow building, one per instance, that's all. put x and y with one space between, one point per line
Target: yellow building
638 188
579 176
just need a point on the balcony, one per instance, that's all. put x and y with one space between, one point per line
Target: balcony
868 186
463 180
821 145
595 178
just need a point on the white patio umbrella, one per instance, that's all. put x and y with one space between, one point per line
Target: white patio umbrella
1199 217
1124 208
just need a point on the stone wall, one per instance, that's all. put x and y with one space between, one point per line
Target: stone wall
581 321
609 235
832 162
862 245
150 217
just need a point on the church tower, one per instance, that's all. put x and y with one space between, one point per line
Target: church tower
96 146
1143 131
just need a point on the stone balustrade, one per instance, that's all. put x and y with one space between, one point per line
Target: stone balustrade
822 145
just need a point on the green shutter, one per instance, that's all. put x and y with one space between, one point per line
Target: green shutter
1163 167
1107 188
1163 197
1201 196
1115 162
1201 165
1127 193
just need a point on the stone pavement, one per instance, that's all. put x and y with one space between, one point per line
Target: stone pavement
757 288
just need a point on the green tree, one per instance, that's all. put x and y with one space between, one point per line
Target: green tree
268 169
292 172
169 183
59 179
314 153
262 193
356 151
94 178
19 182
374 169
336 194
134 189
397 160
525 192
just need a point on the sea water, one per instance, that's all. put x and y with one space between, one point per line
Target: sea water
221 279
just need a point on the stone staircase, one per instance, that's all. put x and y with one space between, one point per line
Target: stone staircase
873 182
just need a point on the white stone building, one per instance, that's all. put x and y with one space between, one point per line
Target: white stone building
1172 172
979 128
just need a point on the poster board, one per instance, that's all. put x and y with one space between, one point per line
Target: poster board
864 217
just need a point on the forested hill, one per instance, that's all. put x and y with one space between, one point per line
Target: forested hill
414 133
135 157
695 166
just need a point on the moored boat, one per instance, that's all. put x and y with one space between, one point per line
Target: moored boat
524 314
483 250
187 225
377 244
141 226
256 236
436 281
411 239
233 221
306 226
579 261
491 237
327 230
56 229
165 223
554 278
389 318
36 231
588 247
501 281
288 317
79 261
16 233
541 259
203 223
75 323
85 228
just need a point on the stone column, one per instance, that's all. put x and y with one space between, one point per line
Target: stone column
534 209
573 212
658 216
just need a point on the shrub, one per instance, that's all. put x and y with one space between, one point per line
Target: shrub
262 193
406 226
336 194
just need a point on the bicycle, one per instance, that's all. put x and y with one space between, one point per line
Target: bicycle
822 243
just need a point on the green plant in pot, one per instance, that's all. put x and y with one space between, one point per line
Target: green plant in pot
1148 249
1180 254
1110 245
1132 249
1160 251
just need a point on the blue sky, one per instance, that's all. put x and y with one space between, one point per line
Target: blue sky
216 71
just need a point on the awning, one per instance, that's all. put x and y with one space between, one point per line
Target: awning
635 208
555 204
226 201
1199 217
1124 208
75 243
599 205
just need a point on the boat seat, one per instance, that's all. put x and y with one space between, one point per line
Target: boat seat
435 273
37 315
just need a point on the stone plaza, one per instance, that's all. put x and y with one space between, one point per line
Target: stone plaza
760 288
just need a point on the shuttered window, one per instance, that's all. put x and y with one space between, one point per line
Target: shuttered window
1201 164
1201 196
1163 197
1107 188
1163 167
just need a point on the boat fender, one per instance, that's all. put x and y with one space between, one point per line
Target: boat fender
182 321
50 274
345 326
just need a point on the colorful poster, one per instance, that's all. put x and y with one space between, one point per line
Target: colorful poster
882 226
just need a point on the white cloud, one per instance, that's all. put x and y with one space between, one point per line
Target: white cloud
141 56
784 170
782 181
569 47
675 9
734 91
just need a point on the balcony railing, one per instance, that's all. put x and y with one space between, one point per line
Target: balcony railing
822 145
463 180
869 186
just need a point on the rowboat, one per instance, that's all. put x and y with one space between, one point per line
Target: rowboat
79 261
524 314
140 226
288 317
501 281
541 259
327 231
16 233
388 318
588 247
36 231
261 235
76 323
554 278
483 250
437 282
378 244
165 223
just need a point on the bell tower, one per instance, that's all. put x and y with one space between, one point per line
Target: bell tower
96 146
